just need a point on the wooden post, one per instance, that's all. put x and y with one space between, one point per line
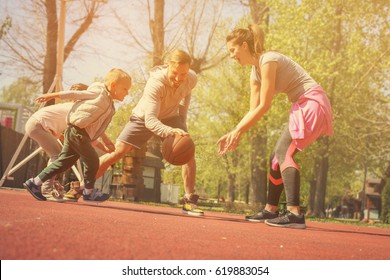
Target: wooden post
60 50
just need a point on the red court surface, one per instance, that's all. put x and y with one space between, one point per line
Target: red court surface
34 230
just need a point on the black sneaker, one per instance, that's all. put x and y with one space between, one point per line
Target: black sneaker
34 189
95 196
288 220
261 216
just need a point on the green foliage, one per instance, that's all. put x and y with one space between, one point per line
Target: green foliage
22 91
350 60
349 64
219 102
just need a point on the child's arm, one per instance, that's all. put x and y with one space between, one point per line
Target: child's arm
47 97
105 145
69 94
107 142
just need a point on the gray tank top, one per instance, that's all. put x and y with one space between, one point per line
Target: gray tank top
291 78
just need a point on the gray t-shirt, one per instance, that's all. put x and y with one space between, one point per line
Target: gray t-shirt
291 78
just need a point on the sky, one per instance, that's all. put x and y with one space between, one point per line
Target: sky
101 48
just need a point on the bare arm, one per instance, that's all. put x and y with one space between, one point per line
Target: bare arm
47 97
68 94
267 90
106 145
259 105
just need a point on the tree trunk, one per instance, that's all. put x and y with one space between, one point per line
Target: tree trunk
232 188
259 11
320 188
312 192
323 163
259 167
157 32
259 157
231 178
50 62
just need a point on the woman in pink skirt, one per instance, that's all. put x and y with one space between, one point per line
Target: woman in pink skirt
310 117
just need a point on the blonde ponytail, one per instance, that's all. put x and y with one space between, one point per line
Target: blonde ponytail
258 38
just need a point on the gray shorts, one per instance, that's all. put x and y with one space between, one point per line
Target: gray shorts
136 134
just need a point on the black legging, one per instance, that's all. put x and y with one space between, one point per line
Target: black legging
284 172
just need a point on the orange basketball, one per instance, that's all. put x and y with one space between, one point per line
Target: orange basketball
177 149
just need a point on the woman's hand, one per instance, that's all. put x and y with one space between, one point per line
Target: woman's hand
229 142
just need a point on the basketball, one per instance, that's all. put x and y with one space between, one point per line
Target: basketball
178 149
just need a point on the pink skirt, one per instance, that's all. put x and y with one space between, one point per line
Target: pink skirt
310 117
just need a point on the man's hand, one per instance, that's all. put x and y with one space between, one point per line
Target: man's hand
179 132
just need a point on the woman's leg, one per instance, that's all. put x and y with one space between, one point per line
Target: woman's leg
284 151
48 143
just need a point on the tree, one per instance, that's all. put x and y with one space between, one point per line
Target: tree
183 26
346 56
259 14
200 22
21 91
28 51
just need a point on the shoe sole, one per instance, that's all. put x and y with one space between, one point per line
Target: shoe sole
71 199
254 220
94 201
295 226
192 213
33 194
55 200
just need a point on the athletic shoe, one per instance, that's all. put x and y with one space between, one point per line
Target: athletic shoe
95 196
261 216
53 198
56 194
288 220
190 207
34 189
74 193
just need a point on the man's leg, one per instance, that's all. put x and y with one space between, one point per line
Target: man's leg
190 199
106 160
188 172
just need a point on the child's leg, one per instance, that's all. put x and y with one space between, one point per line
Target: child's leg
90 161
66 159
80 143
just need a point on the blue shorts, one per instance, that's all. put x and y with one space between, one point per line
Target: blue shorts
136 134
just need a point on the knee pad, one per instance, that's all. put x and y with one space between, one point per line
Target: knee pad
288 159
275 176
